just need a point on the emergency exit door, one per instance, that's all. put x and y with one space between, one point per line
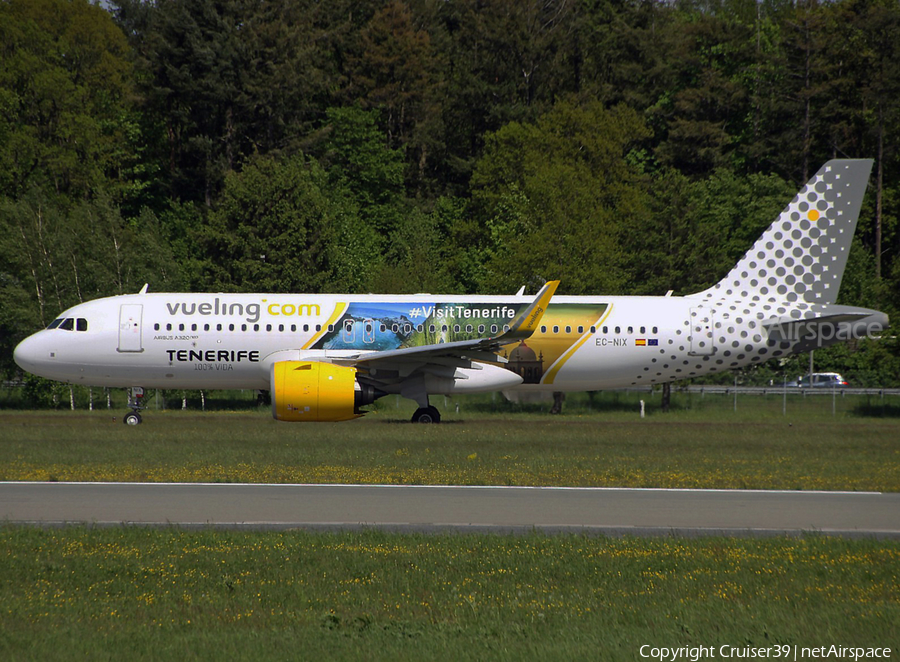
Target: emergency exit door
702 332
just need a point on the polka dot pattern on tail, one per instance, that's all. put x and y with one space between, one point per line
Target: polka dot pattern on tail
793 272
802 255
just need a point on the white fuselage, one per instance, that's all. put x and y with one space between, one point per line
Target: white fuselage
225 341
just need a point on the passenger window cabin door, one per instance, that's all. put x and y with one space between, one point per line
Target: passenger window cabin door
130 327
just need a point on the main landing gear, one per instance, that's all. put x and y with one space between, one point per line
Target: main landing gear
414 388
135 403
426 415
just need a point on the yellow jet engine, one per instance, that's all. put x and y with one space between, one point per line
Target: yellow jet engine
315 391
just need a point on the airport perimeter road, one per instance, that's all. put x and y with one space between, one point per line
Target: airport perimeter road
613 511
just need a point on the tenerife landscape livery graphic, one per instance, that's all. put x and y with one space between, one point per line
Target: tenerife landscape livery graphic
382 326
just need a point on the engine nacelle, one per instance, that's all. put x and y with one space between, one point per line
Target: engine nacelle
315 391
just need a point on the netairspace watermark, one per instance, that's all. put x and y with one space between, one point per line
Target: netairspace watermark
825 334
783 652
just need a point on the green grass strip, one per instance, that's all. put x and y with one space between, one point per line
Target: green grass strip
687 449
140 593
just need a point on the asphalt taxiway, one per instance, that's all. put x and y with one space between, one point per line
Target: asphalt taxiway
459 508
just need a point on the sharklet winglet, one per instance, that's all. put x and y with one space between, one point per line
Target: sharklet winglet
527 322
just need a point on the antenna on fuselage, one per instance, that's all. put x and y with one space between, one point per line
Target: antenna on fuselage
144 288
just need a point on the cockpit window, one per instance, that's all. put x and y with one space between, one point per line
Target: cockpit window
69 324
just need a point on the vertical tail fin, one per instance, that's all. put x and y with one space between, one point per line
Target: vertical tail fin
802 255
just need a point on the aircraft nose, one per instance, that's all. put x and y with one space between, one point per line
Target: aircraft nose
31 353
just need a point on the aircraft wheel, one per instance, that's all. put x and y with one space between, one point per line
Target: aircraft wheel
426 415
132 418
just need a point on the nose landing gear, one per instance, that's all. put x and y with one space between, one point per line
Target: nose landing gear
135 403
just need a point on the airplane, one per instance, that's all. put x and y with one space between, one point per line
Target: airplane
323 357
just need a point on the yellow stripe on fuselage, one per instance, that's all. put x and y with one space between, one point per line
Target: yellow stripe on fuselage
335 316
550 375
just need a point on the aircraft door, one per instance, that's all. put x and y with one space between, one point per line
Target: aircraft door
130 327
349 332
369 331
702 330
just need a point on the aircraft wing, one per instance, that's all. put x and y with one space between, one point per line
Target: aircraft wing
464 351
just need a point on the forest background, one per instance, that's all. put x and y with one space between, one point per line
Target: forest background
452 146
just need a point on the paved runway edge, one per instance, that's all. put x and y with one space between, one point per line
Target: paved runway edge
427 509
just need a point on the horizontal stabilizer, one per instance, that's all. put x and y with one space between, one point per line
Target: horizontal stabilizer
844 323
812 321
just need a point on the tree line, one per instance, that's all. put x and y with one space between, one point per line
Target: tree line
459 146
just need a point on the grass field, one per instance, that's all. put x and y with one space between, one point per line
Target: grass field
132 593
143 593
703 443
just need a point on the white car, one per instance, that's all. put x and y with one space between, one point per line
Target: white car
820 380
